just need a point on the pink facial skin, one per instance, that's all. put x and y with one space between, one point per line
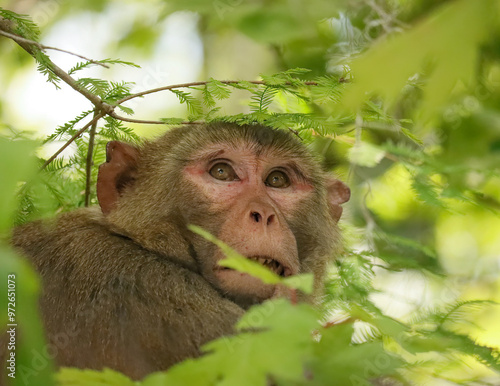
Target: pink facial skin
257 212
251 171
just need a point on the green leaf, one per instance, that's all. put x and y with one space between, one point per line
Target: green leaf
107 377
80 66
218 89
242 264
410 135
278 350
172 121
388 326
193 105
271 26
386 67
30 342
277 341
192 372
17 163
304 282
404 253
262 99
428 191
349 364
208 99
96 86
244 85
24 26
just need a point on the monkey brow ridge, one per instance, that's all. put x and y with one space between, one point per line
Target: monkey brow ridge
207 155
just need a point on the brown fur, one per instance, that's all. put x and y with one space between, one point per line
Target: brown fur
133 289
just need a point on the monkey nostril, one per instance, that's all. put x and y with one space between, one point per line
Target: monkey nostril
265 218
256 216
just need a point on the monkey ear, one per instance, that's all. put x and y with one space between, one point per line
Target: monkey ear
338 193
119 171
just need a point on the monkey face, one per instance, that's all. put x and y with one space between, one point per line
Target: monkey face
254 196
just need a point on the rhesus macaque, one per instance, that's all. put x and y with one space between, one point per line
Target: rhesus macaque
129 287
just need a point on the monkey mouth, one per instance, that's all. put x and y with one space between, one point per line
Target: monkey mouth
268 262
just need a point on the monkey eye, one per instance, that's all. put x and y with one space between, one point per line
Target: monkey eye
223 171
277 179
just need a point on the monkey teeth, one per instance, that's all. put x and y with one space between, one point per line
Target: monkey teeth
272 264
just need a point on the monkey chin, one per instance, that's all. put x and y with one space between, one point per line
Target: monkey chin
244 289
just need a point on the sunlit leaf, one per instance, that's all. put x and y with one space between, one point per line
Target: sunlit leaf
106 377
447 53
16 164
304 282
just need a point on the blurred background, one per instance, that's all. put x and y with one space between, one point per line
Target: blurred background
422 157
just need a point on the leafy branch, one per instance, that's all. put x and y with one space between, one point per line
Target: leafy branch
107 96
93 89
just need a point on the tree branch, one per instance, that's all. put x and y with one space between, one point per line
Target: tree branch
42 47
70 141
132 120
7 28
89 162
192 84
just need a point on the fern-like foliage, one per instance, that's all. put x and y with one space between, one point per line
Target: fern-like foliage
26 28
23 25
115 130
83 65
193 105
262 99
68 128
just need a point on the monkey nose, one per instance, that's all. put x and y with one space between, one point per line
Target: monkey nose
259 218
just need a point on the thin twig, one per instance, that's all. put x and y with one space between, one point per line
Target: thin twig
132 120
295 132
43 47
192 84
89 163
70 141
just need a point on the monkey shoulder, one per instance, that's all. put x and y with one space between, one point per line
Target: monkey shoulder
80 253
84 240
69 237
